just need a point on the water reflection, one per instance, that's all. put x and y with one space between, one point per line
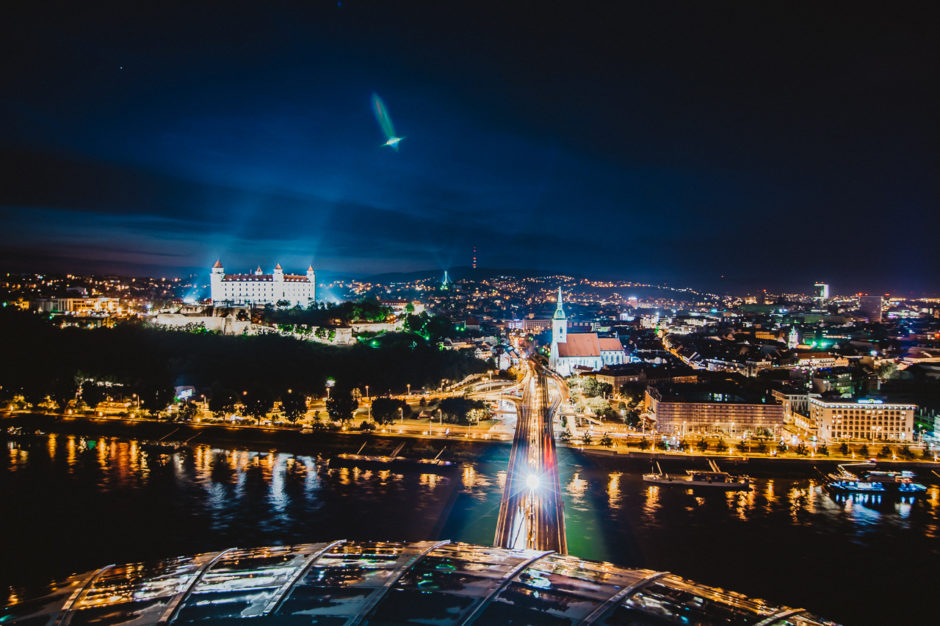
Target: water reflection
121 500
613 490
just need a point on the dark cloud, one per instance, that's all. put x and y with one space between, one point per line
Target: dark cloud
774 144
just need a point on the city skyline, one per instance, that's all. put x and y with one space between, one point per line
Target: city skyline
638 143
469 313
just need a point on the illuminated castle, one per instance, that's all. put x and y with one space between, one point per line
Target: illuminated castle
260 289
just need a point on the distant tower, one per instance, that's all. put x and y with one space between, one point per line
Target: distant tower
312 277
278 278
559 327
821 291
474 257
445 284
215 281
793 339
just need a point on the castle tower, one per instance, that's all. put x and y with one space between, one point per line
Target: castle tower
215 281
312 278
278 286
559 327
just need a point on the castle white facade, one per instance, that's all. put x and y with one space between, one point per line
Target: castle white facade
260 288
578 352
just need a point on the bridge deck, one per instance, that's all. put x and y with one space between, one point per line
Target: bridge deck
531 512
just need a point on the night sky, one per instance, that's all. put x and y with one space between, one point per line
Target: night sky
773 143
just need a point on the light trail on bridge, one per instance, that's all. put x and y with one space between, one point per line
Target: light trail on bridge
531 511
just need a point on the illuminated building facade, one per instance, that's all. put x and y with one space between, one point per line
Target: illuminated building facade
260 288
681 410
864 419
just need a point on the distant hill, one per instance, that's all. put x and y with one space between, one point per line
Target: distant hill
457 273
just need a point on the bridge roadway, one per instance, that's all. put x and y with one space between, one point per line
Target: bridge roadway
531 512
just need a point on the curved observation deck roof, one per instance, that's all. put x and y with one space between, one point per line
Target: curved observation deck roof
345 582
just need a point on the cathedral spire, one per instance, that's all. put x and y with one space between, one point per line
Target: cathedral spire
559 309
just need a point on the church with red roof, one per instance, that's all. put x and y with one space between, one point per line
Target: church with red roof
573 352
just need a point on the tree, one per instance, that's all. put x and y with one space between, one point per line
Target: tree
593 389
844 449
455 410
606 441
221 401
565 436
93 394
293 404
63 390
608 413
863 451
258 402
186 412
644 444
887 371
721 446
632 418
633 392
801 449
885 451
702 444
155 395
387 410
341 405
761 447
823 450
586 439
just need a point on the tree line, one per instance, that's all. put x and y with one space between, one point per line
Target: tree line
42 360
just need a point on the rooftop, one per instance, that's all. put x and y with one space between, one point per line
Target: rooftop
429 582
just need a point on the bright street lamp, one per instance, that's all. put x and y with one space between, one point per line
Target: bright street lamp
532 481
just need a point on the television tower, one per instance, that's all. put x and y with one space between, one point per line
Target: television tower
474 257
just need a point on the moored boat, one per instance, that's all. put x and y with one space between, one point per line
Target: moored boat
712 479
867 479
391 461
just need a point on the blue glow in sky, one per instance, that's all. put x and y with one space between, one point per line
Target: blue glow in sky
775 149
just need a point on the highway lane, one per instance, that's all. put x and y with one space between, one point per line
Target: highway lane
531 511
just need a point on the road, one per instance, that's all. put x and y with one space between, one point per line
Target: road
531 512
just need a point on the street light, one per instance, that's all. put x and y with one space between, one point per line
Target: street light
368 402
532 481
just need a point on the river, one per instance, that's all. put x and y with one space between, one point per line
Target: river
71 506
